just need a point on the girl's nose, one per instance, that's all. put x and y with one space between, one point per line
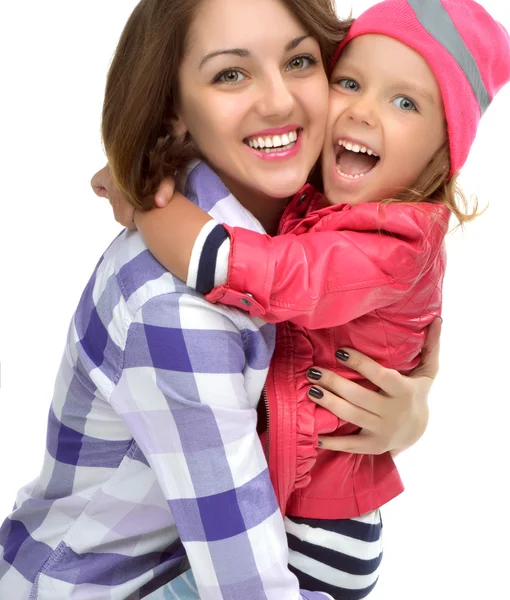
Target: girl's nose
362 111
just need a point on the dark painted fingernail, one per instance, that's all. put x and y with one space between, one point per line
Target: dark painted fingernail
314 374
319 444
316 393
342 355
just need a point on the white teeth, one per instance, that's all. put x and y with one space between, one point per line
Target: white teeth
275 141
273 150
357 148
359 176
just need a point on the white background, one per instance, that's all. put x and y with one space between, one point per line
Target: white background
447 535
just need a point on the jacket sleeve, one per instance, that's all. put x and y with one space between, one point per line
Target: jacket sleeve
323 277
188 411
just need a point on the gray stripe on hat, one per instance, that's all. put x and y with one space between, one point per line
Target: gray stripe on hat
435 19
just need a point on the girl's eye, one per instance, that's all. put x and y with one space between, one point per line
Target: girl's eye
404 103
349 84
229 76
301 62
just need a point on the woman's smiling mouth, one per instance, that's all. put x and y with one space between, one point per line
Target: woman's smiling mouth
276 144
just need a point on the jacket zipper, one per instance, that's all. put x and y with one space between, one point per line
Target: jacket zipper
266 403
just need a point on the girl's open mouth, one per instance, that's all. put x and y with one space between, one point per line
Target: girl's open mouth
354 160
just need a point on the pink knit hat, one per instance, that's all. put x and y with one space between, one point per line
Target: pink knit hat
468 51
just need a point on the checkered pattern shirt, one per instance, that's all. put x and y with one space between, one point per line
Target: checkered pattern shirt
152 452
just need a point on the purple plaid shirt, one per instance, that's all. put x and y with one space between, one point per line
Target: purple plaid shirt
152 442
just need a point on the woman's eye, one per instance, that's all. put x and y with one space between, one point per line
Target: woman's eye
349 84
230 76
404 103
301 62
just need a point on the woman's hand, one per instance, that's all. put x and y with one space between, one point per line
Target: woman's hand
123 211
391 420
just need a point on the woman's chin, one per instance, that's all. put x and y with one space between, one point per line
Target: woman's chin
280 187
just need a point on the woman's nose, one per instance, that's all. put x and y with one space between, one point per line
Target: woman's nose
276 99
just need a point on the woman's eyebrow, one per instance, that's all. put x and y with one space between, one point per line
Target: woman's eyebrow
245 53
295 42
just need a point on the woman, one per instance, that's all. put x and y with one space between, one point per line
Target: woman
151 436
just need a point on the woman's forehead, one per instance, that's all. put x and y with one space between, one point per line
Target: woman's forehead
242 23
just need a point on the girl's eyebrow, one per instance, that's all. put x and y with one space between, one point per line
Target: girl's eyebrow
346 65
245 53
415 88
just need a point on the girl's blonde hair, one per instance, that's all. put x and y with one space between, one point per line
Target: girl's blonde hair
434 185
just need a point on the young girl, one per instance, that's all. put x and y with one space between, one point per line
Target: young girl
152 447
408 88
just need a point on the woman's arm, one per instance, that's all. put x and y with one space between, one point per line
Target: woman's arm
182 396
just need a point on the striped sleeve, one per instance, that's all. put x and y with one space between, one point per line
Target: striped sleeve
188 410
209 259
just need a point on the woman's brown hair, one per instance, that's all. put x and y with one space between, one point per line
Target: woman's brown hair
142 89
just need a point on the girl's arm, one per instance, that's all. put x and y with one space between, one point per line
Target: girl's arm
188 411
318 279
171 233
321 278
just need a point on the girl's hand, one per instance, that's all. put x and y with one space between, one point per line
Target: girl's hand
165 192
170 234
123 211
391 420
103 186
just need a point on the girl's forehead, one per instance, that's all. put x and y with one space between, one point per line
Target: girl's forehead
385 54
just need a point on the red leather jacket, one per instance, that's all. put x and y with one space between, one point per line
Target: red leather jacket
367 277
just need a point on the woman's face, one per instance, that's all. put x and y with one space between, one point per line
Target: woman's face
386 121
254 96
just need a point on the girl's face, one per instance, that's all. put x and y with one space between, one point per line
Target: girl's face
254 96
386 121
